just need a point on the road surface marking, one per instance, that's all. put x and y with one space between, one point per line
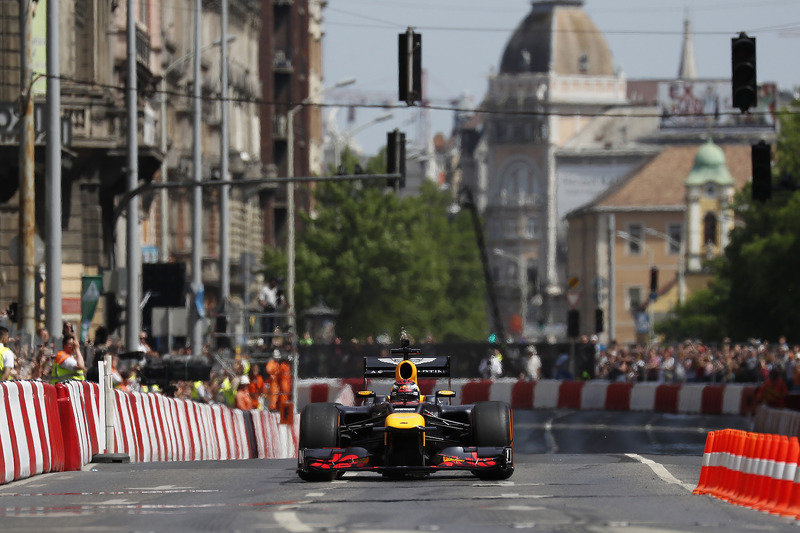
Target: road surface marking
660 471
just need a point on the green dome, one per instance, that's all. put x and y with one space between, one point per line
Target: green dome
709 167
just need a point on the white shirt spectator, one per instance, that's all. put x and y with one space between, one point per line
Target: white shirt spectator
534 365
8 361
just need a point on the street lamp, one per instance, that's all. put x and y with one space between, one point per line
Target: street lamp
680 246
523 284
195 333
290 233
344 138
163 255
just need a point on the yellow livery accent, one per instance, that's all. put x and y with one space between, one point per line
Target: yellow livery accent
405 420
405 370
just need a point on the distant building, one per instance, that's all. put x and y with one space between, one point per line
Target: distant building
566 132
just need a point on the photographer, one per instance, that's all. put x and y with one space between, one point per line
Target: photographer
69 362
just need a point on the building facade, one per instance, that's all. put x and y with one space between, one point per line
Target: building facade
93 56
556 73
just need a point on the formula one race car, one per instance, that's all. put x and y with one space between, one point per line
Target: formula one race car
405 433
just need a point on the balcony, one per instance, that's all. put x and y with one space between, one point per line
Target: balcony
143 48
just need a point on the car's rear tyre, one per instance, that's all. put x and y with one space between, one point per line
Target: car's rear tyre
492 425
319 428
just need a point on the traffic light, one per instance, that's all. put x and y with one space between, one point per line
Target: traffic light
115 313
743 74
598 320
409 53
573 323
653 281
762 171
396 158
166 282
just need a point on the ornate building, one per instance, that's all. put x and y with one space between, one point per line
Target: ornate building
555 75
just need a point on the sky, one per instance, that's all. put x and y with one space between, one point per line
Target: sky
463 41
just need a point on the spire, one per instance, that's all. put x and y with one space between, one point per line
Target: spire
687 69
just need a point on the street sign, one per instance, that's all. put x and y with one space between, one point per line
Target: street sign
573 298
573 282
642 322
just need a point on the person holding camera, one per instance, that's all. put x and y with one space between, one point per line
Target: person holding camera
69 363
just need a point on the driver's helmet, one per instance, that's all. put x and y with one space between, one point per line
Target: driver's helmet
404 391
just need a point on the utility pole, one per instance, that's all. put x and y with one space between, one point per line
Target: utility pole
224 193
195 324
53 170
133 244
27 209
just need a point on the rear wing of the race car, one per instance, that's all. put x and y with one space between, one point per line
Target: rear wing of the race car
426 367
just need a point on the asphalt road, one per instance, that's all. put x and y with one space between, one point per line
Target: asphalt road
576 471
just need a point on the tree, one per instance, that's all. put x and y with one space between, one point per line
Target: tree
755 283
388 263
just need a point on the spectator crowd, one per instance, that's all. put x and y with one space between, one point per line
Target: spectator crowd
249 380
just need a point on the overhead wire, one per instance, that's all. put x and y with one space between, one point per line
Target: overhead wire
544 112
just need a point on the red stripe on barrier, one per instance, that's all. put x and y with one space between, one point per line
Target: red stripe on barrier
37 392
356 384
72 451
92 399
13 434
618 397
475 391
749 403
569 394
711 400
318 393
54 429
522 395
426 387
121 442
26 416
666 400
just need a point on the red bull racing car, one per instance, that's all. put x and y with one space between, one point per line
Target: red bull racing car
405 433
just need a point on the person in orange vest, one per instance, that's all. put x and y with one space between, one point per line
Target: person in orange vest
273 369
69 363
773 392
284 383
256 385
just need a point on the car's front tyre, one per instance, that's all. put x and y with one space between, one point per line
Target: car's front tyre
492 425
319 428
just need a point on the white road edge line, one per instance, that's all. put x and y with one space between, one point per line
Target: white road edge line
661 471
288 520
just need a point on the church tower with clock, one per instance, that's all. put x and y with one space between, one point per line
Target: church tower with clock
556 73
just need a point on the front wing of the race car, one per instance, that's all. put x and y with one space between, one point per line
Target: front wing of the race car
484 461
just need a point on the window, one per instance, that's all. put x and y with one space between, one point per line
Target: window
634 240
531 229
634 298
710 229
675 234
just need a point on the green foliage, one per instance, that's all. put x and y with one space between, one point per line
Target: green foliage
755 289
387 263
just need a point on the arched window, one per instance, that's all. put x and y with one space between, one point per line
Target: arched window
710 229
